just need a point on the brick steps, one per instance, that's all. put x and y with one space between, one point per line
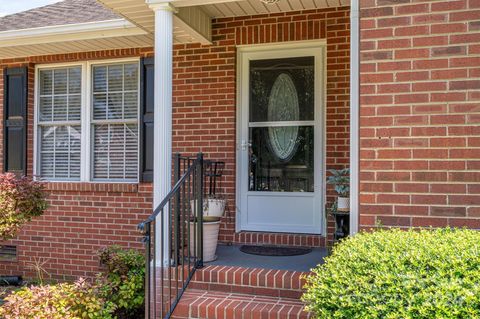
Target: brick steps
236 292
198 304
254 281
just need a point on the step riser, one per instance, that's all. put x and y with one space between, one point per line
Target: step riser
259 291
201 305
264 282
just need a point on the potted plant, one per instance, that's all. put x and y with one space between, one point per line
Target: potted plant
213 203
341 181
213 209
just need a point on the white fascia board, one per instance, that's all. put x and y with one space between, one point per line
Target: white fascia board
69 32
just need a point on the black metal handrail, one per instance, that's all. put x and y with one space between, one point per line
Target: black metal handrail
173 237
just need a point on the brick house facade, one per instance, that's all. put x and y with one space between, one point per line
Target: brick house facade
84 217
419 126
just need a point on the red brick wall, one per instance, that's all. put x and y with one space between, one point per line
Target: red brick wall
85 217
420 113
205 89
82 217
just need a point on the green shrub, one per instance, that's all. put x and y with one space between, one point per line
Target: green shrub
123 281
394 274
63 301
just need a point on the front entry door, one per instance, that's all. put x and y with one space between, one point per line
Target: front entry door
280 153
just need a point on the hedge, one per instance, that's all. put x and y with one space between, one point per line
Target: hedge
395 274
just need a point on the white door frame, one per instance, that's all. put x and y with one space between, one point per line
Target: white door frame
354 116
316 48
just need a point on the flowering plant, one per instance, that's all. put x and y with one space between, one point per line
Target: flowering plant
66 300
21 199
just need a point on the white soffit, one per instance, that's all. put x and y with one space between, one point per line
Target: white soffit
253 7
190 24
90 36
192 21
64 47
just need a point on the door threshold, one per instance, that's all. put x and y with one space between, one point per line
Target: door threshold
279 239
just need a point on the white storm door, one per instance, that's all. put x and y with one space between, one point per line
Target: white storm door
280 153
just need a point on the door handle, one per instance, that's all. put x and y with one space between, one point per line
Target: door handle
245 144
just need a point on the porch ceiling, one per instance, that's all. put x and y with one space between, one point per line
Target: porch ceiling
193 15
253 7
190 24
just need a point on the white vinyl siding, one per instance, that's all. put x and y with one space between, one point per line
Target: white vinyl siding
88 132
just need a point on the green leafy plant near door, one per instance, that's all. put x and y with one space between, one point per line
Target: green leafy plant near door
340 179
396 274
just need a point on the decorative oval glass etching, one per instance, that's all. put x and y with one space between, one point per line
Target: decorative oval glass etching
283 106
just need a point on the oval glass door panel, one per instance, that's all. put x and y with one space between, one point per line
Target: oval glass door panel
283 106
281 125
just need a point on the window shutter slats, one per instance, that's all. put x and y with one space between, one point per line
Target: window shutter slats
146 121
15 120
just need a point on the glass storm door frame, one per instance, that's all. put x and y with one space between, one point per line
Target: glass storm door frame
245 221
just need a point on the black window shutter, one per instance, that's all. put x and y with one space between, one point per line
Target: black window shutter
15 120
146 119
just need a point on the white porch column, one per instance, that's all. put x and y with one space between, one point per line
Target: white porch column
163 109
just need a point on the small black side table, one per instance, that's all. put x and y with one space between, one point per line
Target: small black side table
342 224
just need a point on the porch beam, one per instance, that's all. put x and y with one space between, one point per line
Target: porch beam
162 150
195 23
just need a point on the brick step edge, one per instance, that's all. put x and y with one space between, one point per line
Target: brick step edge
259 281
217 305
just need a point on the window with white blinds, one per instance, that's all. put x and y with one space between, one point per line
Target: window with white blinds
59 123
115 121
93 142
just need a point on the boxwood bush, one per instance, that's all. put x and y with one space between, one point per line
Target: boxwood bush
394 274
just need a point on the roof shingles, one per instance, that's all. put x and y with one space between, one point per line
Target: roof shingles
60 13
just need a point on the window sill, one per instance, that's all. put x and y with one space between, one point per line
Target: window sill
92 187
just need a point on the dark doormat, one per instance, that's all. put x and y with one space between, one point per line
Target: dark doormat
274 250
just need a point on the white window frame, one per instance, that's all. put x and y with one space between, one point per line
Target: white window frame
86 160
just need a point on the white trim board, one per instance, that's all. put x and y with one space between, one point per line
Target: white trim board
354 116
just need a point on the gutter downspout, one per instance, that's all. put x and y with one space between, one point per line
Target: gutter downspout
354 115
